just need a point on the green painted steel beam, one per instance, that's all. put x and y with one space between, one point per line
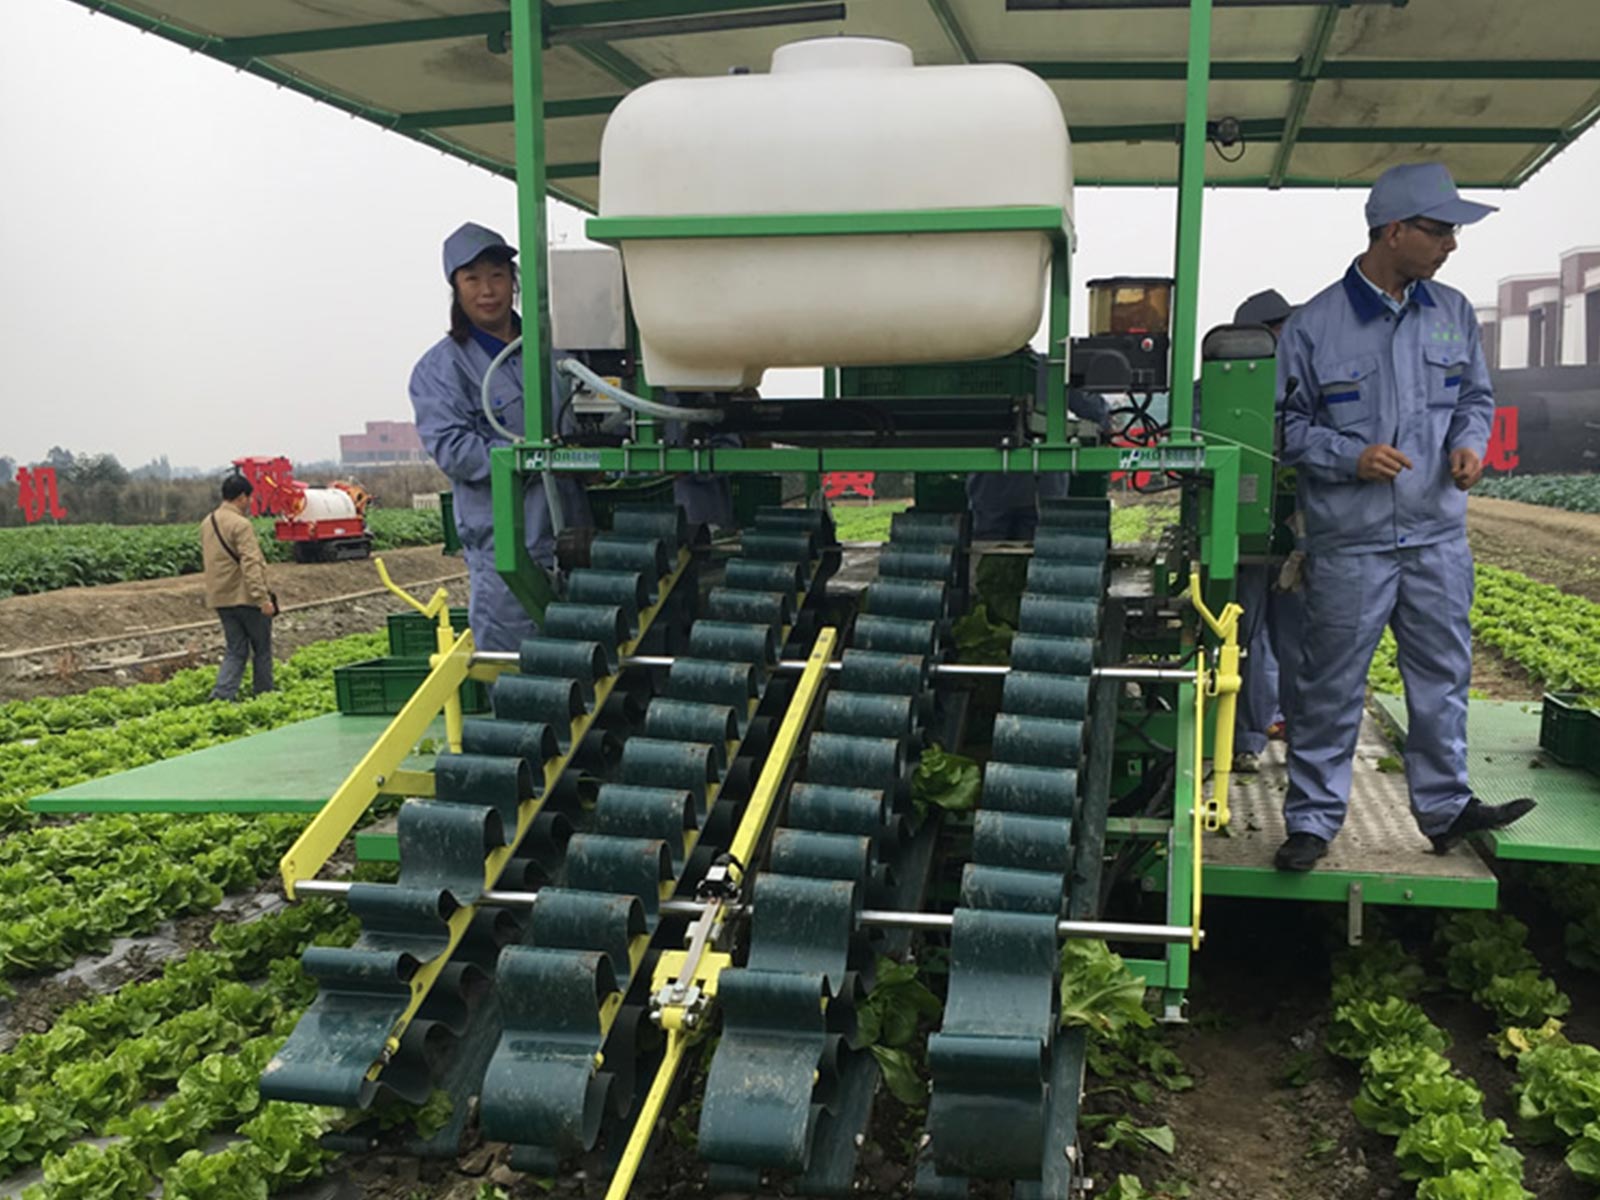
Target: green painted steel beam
1184 456
504 114
951 24
1191 197
602 12
1272 129
1157 70
1333 887
1266 128
1300 99
490 114
794 14
353 37
1044 218
1257 181
1539 69
527 73
614 63
1454 135
1536 161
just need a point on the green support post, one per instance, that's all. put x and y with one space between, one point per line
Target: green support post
527 75
1180 854
1058 353
1191 195
526 578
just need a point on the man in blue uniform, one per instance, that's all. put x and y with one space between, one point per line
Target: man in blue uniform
445 394
1386 415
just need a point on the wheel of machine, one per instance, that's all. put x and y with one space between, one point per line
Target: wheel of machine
343 549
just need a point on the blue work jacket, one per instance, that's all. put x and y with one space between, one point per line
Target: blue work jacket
1353 373
445 395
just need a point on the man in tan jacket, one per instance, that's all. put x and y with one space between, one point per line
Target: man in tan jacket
236 586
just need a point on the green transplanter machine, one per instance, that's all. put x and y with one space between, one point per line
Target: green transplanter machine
666 863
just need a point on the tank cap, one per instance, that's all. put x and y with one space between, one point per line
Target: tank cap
840 54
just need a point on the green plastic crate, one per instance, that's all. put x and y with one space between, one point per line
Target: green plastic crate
381 686
414 636
1569 731
1014 375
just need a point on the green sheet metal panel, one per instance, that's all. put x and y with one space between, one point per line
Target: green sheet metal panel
1505 762
291 769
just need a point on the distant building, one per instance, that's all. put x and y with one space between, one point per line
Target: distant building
384 444
1546 320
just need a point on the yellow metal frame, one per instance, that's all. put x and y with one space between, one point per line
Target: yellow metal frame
339 816
1211 816
708 970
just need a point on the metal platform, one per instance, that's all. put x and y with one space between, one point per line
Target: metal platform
1505 762
291 769
1380 853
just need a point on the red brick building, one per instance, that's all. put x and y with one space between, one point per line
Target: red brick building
384 444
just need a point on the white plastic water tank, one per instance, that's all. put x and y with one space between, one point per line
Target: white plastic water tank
325 504
839 125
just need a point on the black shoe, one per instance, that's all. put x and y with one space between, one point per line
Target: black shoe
1478 816
1300 852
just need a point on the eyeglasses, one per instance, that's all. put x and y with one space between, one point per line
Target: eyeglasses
1433 229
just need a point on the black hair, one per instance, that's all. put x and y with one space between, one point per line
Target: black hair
460 323
235 486
1375 233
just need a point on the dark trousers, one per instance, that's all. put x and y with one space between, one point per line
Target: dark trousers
249 634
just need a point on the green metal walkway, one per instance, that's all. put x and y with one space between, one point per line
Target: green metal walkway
291 769
1378 858
1504 762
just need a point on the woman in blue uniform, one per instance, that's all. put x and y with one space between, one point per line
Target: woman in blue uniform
446 387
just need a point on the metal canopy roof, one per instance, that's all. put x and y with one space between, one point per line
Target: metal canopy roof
1326 93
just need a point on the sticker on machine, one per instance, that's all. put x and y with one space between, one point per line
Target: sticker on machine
1160 459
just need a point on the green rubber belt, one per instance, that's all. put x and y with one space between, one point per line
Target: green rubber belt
991 1061
790 1087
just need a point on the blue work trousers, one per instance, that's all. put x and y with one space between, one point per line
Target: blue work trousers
247 632
1258 692
1425 595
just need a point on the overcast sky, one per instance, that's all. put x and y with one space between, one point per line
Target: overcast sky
204 266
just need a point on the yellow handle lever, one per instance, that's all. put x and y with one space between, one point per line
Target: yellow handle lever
434 605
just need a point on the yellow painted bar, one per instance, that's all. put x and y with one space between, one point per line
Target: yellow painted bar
649 1113
765 794
409 783
454 666
328 829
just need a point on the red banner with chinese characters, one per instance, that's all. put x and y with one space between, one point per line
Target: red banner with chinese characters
37 495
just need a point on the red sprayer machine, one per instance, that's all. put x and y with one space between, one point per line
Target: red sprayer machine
322 523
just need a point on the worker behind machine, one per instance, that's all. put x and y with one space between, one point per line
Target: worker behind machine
1005 505
446 387
1386 415
235 576
1271 615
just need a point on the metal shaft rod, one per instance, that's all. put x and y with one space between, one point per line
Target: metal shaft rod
1111 931
1131 672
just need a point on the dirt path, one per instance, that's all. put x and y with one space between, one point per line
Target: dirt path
1269 1116
1548 544
77 638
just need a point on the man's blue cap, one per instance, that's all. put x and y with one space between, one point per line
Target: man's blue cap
466 243
1264 308
1421 190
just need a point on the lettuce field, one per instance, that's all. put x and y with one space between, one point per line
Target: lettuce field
46 557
